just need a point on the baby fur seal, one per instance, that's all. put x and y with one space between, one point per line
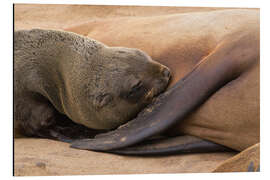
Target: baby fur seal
61 76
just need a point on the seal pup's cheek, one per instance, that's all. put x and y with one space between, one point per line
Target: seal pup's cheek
102 100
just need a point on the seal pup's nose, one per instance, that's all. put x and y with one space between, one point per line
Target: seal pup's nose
166 73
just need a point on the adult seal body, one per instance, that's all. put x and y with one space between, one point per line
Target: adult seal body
214 94
61 76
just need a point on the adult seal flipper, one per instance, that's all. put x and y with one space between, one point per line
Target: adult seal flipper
225 63
172 145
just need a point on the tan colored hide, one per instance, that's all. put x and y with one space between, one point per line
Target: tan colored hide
231 116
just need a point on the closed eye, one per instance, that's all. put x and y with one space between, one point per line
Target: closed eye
134 94
135 89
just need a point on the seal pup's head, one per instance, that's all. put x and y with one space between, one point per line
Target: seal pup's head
95 85
130 82
121 82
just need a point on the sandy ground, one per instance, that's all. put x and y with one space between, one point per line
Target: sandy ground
48 157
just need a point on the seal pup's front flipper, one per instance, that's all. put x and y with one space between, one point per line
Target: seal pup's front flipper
172 145
225 63
65 130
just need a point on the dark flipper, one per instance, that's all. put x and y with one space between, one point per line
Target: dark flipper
213 72
172 145
65 130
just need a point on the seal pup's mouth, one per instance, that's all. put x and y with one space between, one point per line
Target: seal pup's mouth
153 93
160 87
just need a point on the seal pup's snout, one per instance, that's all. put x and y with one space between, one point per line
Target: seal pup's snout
160 84
166 73
165 76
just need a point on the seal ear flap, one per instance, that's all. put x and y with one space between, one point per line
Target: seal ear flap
102 100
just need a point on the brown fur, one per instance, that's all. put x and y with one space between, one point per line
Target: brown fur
60 76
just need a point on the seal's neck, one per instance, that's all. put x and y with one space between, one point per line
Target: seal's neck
51 41
49 59
45 55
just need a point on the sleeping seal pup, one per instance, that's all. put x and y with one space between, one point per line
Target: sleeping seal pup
61 76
